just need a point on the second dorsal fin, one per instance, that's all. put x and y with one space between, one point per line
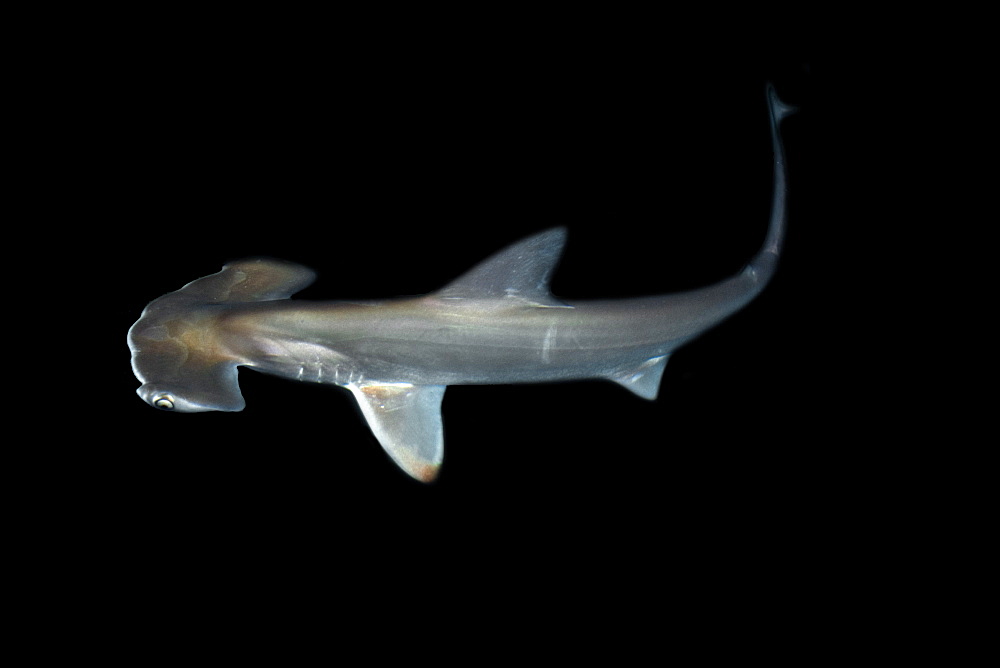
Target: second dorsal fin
520 271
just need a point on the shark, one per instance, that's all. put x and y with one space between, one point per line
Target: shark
497 324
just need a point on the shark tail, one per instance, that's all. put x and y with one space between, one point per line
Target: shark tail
764 264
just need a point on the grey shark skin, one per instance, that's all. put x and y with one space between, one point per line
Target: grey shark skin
497 324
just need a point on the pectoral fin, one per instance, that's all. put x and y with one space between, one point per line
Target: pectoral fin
406 420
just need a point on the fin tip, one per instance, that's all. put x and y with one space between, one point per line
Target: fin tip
779 108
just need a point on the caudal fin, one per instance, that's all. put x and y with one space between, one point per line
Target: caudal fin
765 262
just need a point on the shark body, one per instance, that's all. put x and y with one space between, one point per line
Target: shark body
497 324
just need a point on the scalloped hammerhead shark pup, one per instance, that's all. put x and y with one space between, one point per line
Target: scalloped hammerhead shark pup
496 324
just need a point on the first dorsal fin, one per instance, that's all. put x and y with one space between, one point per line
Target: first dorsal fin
520 271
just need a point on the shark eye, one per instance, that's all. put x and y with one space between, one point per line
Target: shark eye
164 401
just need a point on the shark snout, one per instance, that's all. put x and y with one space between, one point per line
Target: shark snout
173 401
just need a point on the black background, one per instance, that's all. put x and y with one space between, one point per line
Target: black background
392 166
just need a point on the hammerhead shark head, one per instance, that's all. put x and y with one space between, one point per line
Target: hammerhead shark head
497 324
